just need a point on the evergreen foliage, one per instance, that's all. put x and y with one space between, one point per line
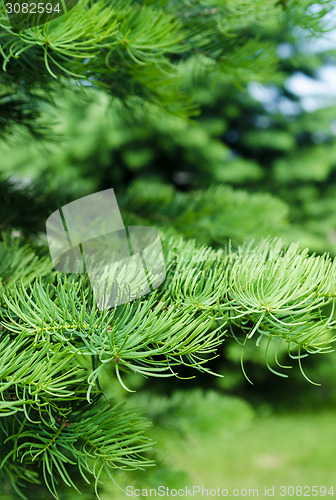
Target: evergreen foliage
151 63
132 50
56 345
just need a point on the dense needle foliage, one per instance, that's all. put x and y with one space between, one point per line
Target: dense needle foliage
142 70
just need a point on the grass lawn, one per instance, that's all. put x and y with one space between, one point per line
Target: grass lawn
296 449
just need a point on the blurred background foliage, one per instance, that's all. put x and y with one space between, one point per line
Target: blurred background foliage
257 137
253 161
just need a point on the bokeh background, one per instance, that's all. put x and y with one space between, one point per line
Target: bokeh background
258 160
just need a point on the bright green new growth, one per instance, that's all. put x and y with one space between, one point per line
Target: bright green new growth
59 353
58 350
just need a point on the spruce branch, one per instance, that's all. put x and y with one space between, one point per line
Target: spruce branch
94 438
20 262
58 349
137 49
